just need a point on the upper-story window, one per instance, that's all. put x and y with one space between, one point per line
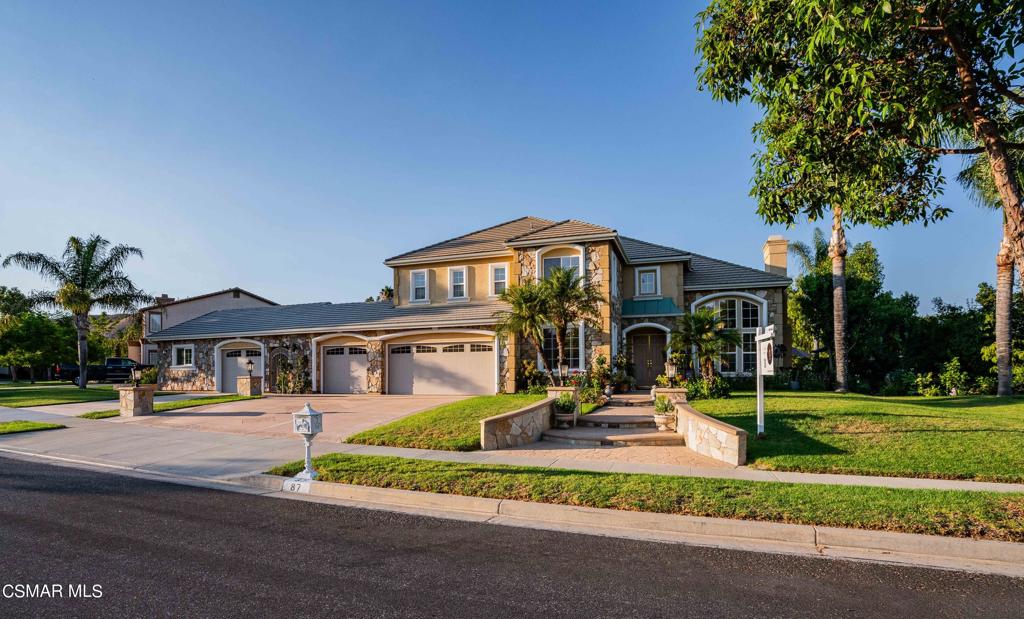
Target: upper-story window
457 283
155 322
499 279
648 281
565 262
420 290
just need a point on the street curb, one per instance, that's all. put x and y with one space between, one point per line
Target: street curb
984 556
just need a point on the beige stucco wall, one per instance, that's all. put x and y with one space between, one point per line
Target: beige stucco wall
672 280
478 276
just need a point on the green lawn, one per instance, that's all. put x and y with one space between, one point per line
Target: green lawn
971 437
44 395
39 383
13 427
163 407
455 426
985 515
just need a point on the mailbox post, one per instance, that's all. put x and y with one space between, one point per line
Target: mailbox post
308 423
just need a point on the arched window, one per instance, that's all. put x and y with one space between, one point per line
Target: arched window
745 317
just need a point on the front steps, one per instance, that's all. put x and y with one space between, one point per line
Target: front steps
627 419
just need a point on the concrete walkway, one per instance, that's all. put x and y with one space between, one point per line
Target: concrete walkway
220 455
75 409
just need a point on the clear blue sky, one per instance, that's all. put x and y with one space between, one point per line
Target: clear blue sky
289 148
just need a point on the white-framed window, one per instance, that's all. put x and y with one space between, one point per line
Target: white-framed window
457 286
153 357
648 281
419 286
565 262
615 275
155 322
481 348
743 316
572 349
499 279
183 356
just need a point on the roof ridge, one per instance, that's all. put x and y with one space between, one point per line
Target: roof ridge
462 236
541 229
630 238
580 221
209 294
742 266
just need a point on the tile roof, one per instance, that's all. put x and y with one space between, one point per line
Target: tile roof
664 306
209 294
488 240
562 229
318 317
639 251
708 274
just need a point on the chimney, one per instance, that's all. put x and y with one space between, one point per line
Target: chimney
163 299
775 251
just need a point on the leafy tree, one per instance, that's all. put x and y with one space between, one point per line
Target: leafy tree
570 300
32 339
387 293
526 317
703 332
13 302
89 275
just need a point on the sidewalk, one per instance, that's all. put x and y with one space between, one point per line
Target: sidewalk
219 455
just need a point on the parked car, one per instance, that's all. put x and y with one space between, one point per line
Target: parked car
113 370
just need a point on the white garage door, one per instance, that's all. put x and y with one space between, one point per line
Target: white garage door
234 363
440 369
345 369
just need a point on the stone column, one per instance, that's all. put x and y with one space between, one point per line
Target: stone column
250 385
136 401
375 366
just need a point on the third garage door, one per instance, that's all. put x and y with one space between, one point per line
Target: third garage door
441 369
345 369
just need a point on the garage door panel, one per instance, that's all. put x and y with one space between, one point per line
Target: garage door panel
234 363
442 369
344 369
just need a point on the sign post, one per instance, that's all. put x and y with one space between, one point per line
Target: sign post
765 367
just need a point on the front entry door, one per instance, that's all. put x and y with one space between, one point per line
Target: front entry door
648 357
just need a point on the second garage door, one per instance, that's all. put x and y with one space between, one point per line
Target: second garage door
345 369
441 369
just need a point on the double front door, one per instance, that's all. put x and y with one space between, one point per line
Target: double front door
648 357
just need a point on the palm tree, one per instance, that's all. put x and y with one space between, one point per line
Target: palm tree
813 255
526 317
87 276
976 178
703 332
387 293
837 251
571 300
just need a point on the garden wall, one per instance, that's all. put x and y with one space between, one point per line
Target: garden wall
517 427
710 437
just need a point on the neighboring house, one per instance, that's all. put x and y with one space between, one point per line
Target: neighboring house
436 336
168 312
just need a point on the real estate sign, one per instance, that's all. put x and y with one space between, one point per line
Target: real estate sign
765 367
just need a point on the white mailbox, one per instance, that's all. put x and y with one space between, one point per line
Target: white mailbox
308 423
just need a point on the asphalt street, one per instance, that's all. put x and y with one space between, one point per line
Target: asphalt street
159 549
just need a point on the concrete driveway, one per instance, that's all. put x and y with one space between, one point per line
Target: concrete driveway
344 415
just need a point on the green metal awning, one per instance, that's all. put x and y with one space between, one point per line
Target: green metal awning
664 306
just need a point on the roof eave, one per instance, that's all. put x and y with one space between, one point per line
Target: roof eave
328 329
392 262
734 286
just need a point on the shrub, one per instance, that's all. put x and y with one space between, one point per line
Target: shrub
953 379
535 390
985 385
533 376
663 405
565 403
591 395
703 389
149 376
926 386
899 382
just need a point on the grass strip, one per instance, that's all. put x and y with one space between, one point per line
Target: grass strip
16 426
163 407
980 515
454 426
46 395
967 437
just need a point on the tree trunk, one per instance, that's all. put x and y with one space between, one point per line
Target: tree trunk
82 326
14 373
1004 309
837 251
540 355
560 345
32 374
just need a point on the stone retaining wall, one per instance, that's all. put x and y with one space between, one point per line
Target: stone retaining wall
710 437
517 427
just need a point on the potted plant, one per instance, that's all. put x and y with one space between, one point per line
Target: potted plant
664 413
565 410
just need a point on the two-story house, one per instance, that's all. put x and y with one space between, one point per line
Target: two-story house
437 335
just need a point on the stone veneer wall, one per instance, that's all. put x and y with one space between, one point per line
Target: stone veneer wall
710 437
198 378
518 427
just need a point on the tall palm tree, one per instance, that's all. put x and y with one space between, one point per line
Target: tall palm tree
87 276
572 300
703 332
813 255
976 178
387 293
837 251
526 317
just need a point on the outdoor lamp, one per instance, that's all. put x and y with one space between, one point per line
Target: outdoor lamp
563 369
136 375
670 369
248 366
